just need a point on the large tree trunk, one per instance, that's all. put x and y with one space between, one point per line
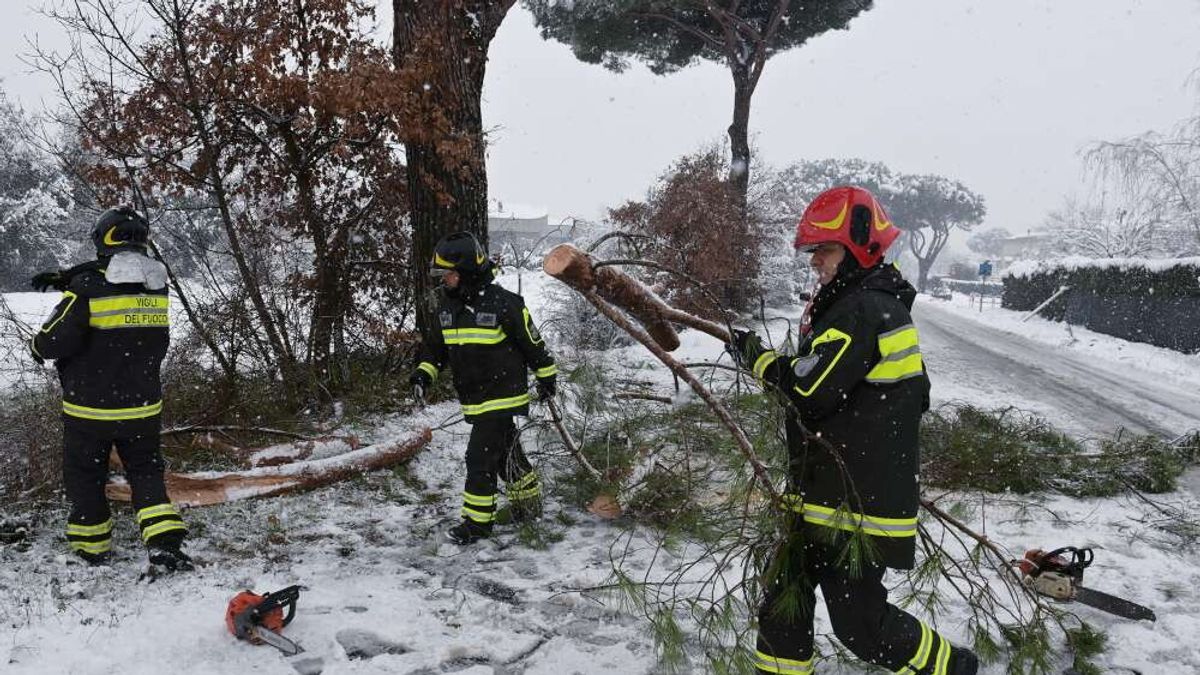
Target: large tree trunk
739 133
926 248
440 49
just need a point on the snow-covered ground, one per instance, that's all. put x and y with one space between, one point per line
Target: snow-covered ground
386 594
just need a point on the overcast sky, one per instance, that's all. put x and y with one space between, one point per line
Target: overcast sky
1001 94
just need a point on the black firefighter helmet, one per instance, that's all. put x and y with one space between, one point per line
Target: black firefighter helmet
461 252
120 229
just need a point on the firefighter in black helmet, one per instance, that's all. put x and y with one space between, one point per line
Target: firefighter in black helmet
485 335
108 336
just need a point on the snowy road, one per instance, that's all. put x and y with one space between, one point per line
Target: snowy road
971 360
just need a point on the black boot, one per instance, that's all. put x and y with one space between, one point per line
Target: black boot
166 552
963 662
95 559
468 532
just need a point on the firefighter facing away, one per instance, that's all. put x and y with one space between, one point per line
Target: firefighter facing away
854 396
487 338
108 336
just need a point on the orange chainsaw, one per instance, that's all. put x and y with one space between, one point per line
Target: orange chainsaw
258 619
1059 574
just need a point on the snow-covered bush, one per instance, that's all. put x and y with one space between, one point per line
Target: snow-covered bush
1153 301
783 274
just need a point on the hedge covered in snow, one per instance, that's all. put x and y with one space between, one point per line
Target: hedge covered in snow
1153 301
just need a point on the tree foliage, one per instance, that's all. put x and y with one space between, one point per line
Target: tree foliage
669 35
276 122
696 228
989 242
1098 228
1157 173
38 202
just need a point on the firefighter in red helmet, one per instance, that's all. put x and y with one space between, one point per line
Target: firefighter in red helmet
855 393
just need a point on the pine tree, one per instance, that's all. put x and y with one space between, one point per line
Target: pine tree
670 35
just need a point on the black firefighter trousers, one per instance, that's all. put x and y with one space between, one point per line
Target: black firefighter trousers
494 450
863 620
86 446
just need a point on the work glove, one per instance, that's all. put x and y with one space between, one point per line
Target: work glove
40 360
420 382
547 387
745 347
44 280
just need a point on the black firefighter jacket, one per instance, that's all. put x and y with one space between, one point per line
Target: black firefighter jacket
489 342
108 336
859 384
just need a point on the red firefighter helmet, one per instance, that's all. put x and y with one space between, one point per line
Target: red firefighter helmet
852 217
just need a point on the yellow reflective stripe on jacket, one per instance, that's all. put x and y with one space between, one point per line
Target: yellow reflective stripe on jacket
762 363
830 335
129 311
473 336
156 511
778 664
549 370
495 404
899 356
112 414
430 370
91 546
89 530
851 521
67 295
530 330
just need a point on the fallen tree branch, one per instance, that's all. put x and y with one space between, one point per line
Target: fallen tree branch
640 396
556 417
213 487
739 436
249 430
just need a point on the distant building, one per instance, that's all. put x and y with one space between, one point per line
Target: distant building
521 228
1025 247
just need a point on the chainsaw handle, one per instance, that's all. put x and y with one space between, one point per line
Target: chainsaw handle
283 597
1081 557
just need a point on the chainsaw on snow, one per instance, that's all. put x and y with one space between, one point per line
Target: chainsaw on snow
258 619
1059 574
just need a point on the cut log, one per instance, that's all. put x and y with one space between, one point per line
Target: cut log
575 268
213 487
